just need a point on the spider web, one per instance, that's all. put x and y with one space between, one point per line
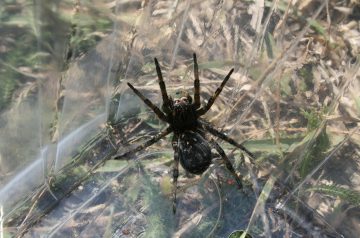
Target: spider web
74 189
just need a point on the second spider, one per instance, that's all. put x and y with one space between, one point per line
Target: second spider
183 114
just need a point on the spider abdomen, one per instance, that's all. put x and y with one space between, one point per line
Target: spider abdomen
194 152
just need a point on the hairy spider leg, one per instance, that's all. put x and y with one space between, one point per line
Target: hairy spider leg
224 137
197 103
157 111
147 143
212 99
165 97
227 162
175 146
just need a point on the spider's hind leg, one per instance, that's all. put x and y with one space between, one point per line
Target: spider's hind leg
175 146
142 146
227 163
224 137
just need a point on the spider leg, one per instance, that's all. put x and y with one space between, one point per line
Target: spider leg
201 111
227 163
145 144
224 137
196 84
165 97
157 111
175 146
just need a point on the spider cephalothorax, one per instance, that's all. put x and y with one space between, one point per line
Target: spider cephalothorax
183 114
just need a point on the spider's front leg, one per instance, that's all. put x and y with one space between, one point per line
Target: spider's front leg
197 103
227 163
166 100
201 111
157 111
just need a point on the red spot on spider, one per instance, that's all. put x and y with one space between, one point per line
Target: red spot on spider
126 232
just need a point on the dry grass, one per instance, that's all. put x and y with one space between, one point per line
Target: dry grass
293 100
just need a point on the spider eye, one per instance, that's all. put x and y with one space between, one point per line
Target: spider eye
184 99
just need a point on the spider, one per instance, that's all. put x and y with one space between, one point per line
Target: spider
191 148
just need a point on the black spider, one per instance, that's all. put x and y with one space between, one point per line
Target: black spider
190 146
